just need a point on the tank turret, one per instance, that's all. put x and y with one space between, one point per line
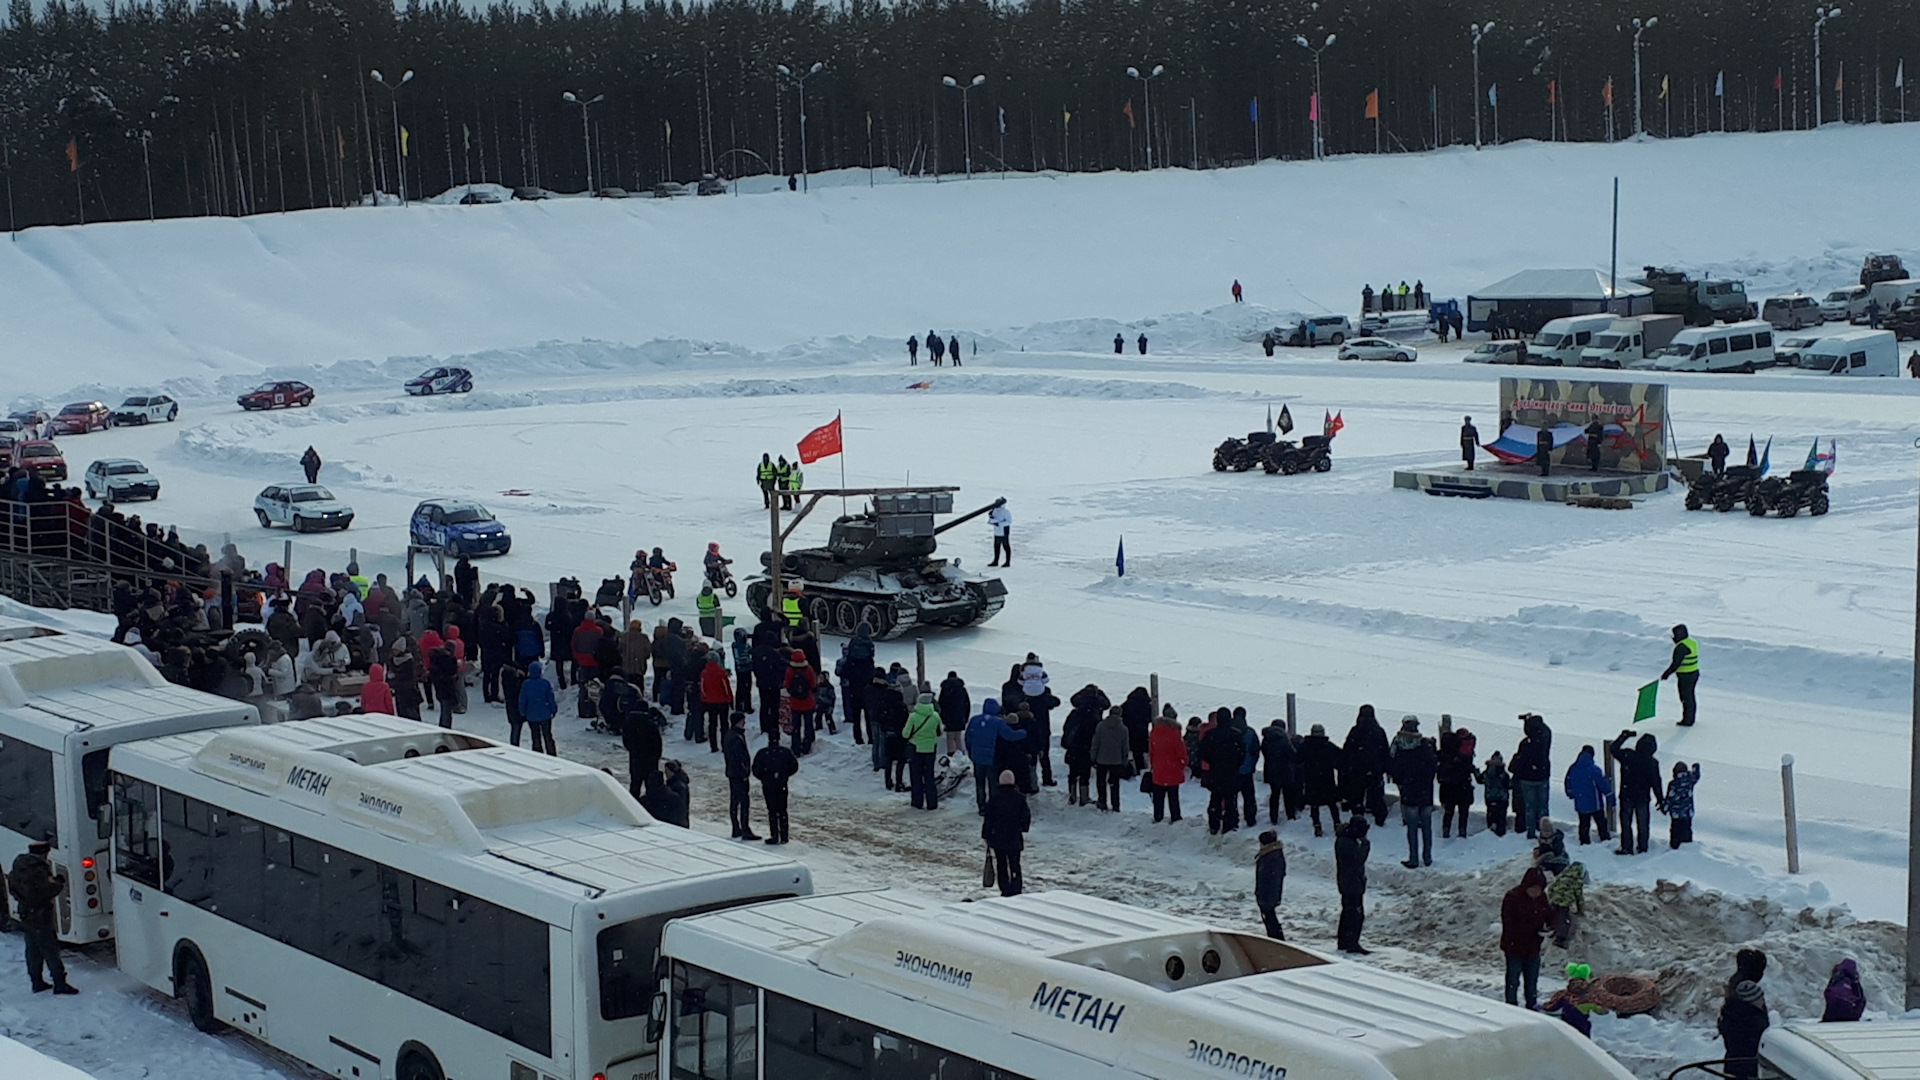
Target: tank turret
879 567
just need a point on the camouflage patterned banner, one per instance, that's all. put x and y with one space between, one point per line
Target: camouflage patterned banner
1635 415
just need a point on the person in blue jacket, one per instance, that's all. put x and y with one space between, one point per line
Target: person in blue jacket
984 733
538 706
1587 785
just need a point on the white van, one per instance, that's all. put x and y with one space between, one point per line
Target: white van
1845 304
1892 294
1855 352
1560 341
1743 346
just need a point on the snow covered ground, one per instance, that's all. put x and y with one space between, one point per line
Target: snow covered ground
721 328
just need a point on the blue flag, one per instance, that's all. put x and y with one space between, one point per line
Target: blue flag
1120 558
1253 110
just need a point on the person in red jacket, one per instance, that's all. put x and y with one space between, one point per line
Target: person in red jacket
1167 761
1525 917
586 648
800 683
430 642
716 697
458 648
377 695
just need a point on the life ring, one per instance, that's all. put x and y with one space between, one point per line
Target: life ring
1624 995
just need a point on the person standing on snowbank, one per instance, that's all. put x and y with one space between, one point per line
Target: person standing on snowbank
1350 850
1680 804
1587 785
1531 768
1525 916
1269 882
1686 666
1743 1016
310 462
1414 763
1320 778
1363 766
1641 787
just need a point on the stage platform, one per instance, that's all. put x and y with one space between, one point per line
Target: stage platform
1494 480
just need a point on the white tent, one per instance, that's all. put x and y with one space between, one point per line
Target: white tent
1534 296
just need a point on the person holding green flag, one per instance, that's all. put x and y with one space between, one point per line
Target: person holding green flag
1686 665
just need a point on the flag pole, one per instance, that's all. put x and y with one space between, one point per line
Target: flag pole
843 460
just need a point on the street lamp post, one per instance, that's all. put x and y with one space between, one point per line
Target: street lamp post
966 114
1638 29
1146 102
1479 30
800 84
399 152
1319 100
586 132
1820 17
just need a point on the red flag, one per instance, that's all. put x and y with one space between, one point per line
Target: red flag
1128 109
1332 425
1373 105
1606 92
1552 89
1777 77
823 441
73 155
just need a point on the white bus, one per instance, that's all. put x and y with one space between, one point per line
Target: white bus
65 700
389 900
1060 986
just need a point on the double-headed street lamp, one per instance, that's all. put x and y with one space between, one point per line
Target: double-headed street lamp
399 151
966 114
1638 29
800 83
1478 30
1820 17
1146 102
1319 102
586 133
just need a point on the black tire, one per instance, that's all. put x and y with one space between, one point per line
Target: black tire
846 617
1694 501
1338 339
417 1063
1402 357
1818 506
194 987
1289 467
1324 464
733 590
1789 506
1219 463
1757 504
173 414
1723 502
653 593
299 524
262 515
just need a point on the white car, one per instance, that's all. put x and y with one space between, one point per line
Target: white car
1373 348
120 479
158 408
1498 352
301 507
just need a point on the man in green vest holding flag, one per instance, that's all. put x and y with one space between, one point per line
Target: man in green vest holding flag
1686 665
708 606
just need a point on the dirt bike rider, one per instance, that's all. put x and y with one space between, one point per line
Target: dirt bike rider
637 575
716 564
661 568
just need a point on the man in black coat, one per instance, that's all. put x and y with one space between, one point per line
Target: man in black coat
1596 435
1040 732
1717 452
770 660
739 770
1469 440
1320 779
1363 765
1413 765
1223 749
1350 850
1532 771
1004 827
774 766
619 702
466 580
35 888
1281 769
1543 450
1641 788
561 622
1137 713
641 736
956 708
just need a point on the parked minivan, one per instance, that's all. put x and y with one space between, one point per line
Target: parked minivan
1560 341
1845 304
1743 346
1854 352
1791 312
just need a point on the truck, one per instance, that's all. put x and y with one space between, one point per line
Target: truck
1633 338
1876 268
1700 301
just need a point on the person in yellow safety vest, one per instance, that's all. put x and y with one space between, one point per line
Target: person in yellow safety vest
708 606
783 480
1686 665
795 482
765 475
790 607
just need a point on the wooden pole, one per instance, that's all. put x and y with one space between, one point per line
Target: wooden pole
1153 692
920 662
1793 824
1293 715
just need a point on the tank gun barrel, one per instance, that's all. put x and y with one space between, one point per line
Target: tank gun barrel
964 518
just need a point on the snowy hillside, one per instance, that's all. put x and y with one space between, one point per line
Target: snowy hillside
142 303
634 359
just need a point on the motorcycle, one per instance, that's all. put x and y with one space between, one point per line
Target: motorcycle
721 578
655 581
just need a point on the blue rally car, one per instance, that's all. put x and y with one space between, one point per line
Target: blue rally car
458 527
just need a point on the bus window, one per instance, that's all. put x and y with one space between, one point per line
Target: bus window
716 1021
26 790
93 776
628 953
805 1042
1717 346
136 845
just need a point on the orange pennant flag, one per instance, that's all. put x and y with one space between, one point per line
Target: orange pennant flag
1128 110
73 155
1373 105
1606 92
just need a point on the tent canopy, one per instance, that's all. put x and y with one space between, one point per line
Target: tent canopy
1559 285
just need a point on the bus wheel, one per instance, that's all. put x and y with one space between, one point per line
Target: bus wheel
194 988
418 1063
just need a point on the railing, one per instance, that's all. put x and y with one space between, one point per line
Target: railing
60 554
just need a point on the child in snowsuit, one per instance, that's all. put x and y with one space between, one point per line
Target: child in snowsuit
1499 788
1680 804
1568 897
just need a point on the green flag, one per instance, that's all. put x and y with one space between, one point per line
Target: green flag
1649 699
